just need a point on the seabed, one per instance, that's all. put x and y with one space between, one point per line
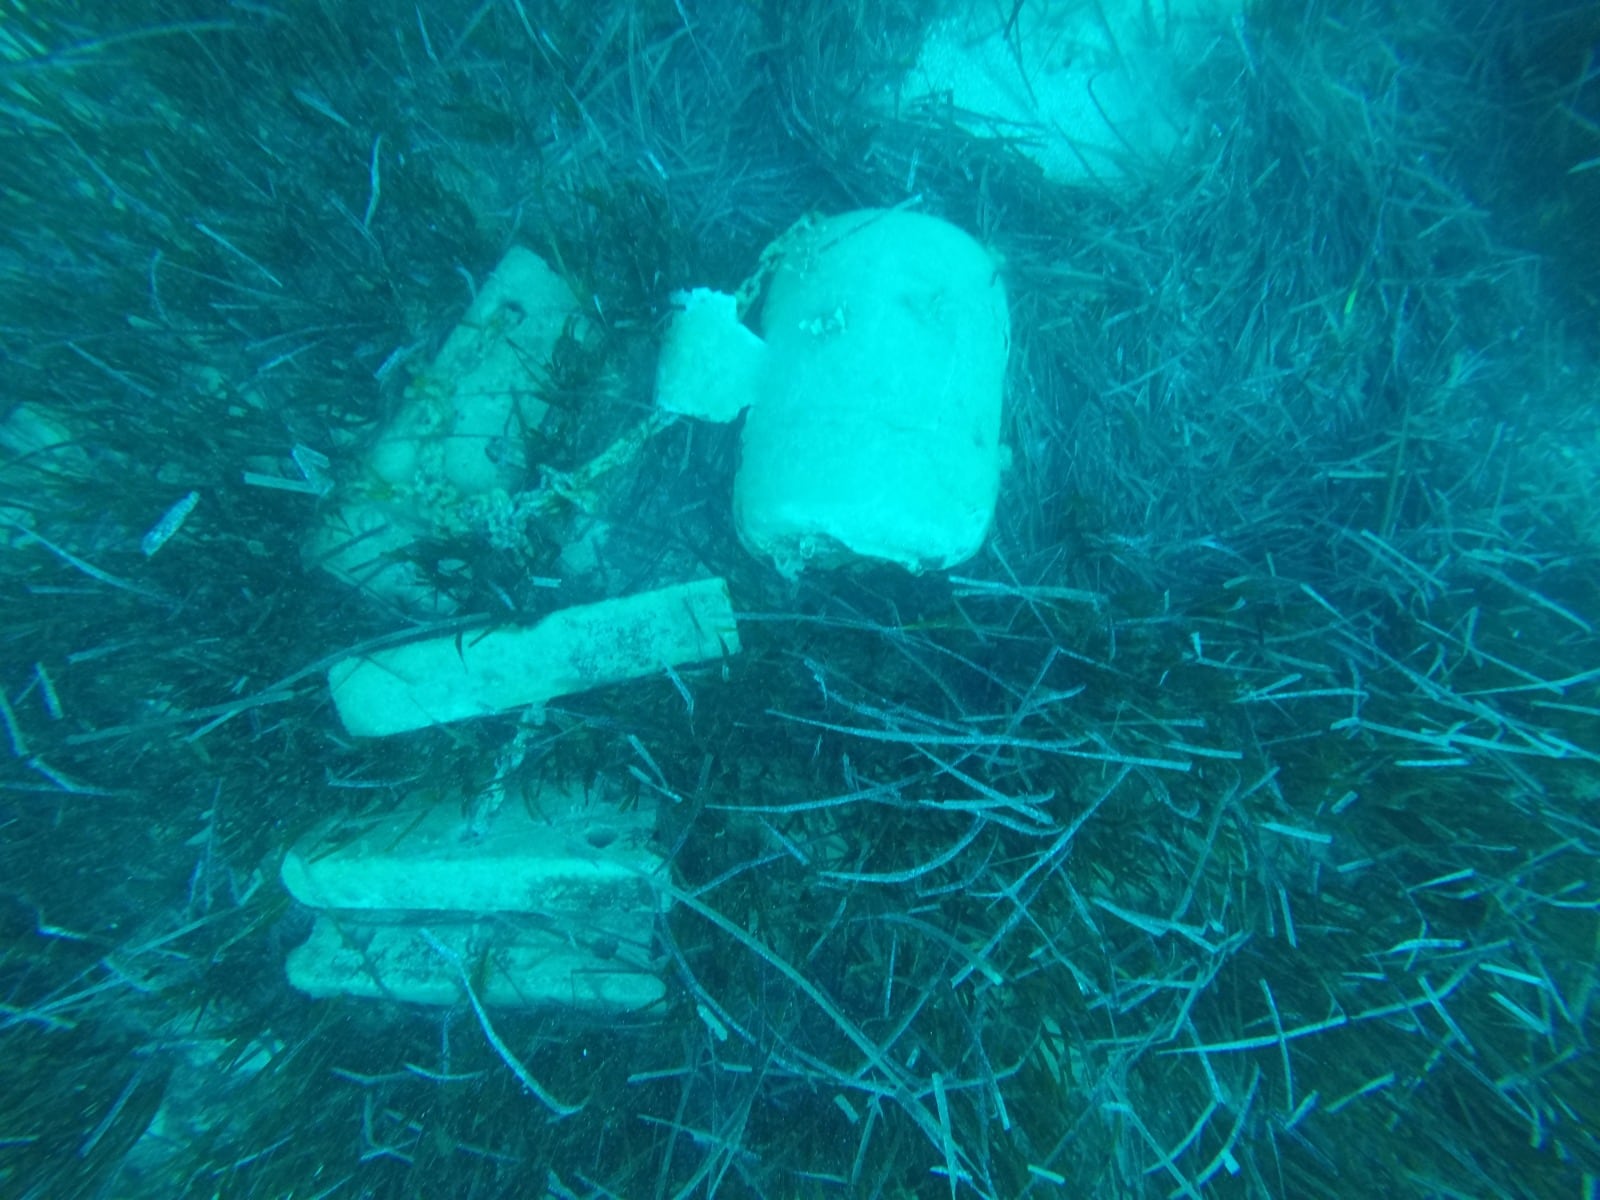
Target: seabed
1226 826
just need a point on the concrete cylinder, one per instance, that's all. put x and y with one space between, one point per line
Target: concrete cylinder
876 431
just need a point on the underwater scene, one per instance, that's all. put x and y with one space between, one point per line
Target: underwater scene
799 599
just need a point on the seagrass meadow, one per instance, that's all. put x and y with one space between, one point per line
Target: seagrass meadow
1226 826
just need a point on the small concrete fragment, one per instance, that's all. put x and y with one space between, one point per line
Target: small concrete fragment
478 674
710 364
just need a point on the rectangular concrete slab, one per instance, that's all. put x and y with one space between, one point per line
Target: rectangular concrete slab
552 853
477 674
511 966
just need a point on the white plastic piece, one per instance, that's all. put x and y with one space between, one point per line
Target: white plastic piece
167 527
710 364
572 650
1085 90
876 430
